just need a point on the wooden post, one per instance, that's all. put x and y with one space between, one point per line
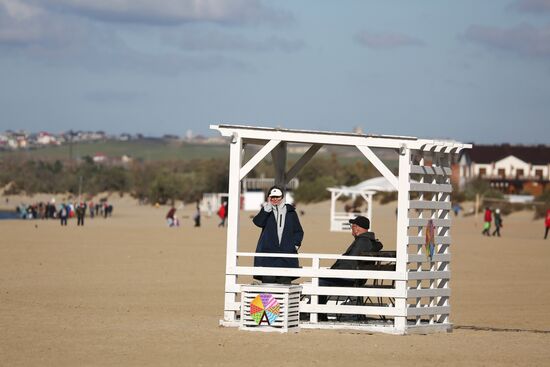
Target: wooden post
235 160
369 209
314 317
400 322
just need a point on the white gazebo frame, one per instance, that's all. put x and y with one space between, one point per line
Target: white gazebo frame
339 221
419 290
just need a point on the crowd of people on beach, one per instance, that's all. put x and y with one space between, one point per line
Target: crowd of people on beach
172 219
65 210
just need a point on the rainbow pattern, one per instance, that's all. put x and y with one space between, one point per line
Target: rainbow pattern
264 308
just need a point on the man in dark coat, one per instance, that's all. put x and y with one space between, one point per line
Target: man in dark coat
80 214
281 233
365 241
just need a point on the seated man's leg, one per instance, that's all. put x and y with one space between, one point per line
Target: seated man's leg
333 282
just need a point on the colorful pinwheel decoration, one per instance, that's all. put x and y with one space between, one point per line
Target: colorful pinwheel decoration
430 239
264 308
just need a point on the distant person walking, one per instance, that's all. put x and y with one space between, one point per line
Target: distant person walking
488 218
222 213
457 208
63 214
498 222
80 214
171 218
208 209
547 223
197 216
91 206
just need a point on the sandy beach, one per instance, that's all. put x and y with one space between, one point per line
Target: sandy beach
128 291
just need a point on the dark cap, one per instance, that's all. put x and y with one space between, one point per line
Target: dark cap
361 222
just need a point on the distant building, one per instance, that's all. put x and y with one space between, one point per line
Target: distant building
125 159
45 138
99 158
511 169
125 137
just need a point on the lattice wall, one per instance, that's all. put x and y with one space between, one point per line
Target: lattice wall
428 289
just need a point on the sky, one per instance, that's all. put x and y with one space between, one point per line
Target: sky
469 70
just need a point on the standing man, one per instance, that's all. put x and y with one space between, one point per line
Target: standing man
281 233
498 222
197 216
63 214
80 214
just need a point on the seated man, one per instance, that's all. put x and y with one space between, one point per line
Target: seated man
365 241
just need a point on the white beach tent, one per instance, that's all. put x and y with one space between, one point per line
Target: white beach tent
339 221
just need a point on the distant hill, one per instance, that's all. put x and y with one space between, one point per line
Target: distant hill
143 149
157 149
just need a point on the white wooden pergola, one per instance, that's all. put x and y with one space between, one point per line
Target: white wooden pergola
339 221
419 289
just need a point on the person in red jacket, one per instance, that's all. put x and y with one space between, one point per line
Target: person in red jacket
547 223
222 213
488 218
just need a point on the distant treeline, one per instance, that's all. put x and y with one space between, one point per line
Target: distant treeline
166 181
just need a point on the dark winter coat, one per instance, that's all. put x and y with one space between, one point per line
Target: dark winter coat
498 220
269 241
365 242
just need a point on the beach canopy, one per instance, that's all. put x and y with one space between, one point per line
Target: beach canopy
339 221
373 184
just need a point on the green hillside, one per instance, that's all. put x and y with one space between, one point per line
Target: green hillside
144 149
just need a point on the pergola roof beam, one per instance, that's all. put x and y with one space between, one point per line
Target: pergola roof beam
334 138
266 149
302 161
379 165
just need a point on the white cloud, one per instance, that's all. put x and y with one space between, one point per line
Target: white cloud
524 40
22 24
169 12
65 33
386 40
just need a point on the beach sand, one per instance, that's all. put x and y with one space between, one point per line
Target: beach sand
128 291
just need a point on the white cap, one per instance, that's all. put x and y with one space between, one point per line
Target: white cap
275 192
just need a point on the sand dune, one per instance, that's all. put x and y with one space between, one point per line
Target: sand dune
129 291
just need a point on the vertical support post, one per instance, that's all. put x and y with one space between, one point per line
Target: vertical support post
445 214
369 209
314 317
332 210
234 192
279 161
403 198
436 197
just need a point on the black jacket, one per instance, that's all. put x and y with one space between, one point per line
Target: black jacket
269 240
365 242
